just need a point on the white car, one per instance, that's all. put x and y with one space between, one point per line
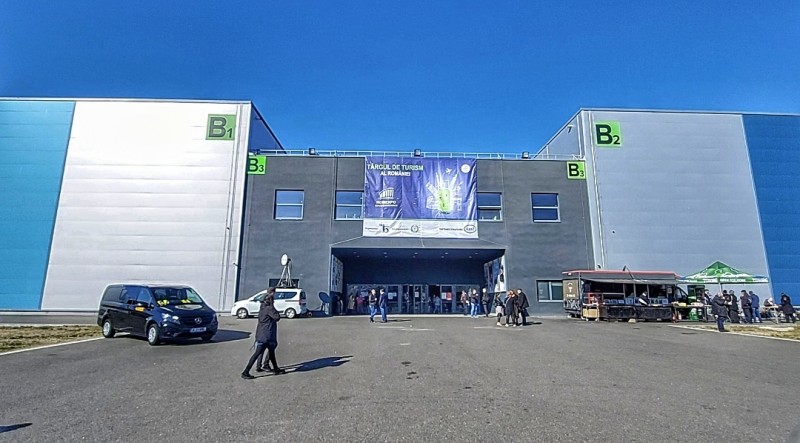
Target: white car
288 301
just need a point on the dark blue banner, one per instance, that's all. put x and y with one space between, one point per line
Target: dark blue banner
420 197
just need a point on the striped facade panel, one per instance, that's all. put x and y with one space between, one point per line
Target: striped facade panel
774 146
33 144
147 197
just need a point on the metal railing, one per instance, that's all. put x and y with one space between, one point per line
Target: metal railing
477 155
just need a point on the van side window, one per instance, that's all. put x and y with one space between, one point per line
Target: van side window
143 296
283 295
112 293
126 296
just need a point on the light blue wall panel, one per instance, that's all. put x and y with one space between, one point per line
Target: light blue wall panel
33 145
676 195
774 146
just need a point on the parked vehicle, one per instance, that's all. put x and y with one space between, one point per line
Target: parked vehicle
157 312
290 302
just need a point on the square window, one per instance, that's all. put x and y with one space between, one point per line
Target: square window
289 205
490 206
349 205
545 208
550 290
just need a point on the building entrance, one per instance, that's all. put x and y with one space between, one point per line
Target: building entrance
412 298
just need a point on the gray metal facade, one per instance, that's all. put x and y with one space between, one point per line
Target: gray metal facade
676 195
533 251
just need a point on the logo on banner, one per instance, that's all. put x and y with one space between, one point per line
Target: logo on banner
386 198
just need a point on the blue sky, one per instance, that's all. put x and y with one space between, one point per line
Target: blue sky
469 76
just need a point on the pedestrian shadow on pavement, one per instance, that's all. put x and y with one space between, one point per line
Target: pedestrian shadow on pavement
319 363
10 428
398 320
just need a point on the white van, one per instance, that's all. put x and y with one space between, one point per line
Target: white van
288 301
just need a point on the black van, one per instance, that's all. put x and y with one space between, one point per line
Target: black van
158 312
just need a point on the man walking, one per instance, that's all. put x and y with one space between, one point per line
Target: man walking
719 307
266 336
383 302
747 307
473 303
756 303
522 301
372 299
485 302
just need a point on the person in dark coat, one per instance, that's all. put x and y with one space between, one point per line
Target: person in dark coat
266 335
383 303
747 307
485 302
756 303
719 307
522 301
787 308
511 308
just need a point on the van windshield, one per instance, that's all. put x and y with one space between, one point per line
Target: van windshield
176 296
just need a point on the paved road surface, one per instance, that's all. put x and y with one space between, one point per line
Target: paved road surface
454 379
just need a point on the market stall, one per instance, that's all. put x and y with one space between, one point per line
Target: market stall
621 295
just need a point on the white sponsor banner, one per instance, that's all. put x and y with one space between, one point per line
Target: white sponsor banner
420 228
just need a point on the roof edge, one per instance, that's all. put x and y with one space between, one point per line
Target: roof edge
686 111
107 99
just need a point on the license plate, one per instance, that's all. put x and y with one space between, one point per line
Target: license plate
193 330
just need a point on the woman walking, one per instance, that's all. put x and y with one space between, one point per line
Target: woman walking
498 308
266 336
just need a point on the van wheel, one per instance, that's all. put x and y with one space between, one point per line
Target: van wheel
290 313
153 334
241 313
108 330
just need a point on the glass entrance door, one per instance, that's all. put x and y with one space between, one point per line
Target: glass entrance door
415 299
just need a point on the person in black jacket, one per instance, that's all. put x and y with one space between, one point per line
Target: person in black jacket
747 306
719 307
485 302
266 335
522 301
511 308
787 308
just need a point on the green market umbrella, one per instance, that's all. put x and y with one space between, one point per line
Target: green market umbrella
721 273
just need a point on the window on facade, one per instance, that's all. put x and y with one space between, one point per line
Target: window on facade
550 290
490 206
545 207
349 205
289 205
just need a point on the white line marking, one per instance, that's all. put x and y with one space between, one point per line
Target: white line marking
405 344
733 333
49 346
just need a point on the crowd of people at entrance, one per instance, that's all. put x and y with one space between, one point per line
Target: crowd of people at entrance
747 308
510 308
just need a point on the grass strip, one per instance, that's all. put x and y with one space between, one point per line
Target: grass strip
768 330
20 337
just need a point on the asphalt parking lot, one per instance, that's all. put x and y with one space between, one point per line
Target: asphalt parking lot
420 379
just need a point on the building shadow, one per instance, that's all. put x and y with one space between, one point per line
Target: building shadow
9 428
319 363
